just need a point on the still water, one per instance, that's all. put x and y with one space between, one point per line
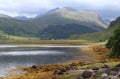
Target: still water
11 56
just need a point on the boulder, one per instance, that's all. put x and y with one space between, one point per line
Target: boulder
34 67
95 68
80 78
104 76
59 72
118 65
86 74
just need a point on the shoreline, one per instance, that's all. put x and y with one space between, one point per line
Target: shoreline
46 71
44 45
59 46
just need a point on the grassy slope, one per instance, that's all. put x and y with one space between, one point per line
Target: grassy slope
6 37
9 39
18 27
102 35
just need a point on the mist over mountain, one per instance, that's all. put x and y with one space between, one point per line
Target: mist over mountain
22 18
4 16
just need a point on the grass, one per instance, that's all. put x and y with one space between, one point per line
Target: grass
9 39
96 37
111 64
58 42
4 36
69 77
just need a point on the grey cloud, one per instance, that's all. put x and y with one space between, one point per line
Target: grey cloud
107 8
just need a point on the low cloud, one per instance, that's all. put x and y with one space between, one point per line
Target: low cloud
34 7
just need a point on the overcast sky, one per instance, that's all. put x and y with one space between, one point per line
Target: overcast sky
30 8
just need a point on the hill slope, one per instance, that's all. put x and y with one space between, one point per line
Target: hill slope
102 35
15 27
58 23
54 23
67 15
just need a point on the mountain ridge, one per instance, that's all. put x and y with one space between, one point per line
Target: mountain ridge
61 17
80 16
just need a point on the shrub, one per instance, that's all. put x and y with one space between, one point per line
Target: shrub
114 44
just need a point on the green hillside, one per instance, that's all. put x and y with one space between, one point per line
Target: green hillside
64 31
100 36
59 23
54 23
4 37
18 27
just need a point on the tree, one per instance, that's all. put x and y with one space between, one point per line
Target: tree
109 43
114 43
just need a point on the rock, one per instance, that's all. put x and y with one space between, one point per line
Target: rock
115 69
104 76
79 78
105 65
107 71
86 74
113 73
113 77
25 69
63 70
68 67
118 75
95 68
118 65
59 72
94 74
34 67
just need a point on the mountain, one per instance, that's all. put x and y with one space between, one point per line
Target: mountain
65 30
16 27
53 23
67 15
5 16
102 35
59 23
21 18
62 9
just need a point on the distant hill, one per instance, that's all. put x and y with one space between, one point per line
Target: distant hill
102 35
59 23
5 16
65 30
55 22
15 27
67 15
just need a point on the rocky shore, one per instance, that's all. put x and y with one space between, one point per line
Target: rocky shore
80 70
103 68
104 72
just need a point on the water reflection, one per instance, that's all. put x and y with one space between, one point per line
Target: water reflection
12 56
